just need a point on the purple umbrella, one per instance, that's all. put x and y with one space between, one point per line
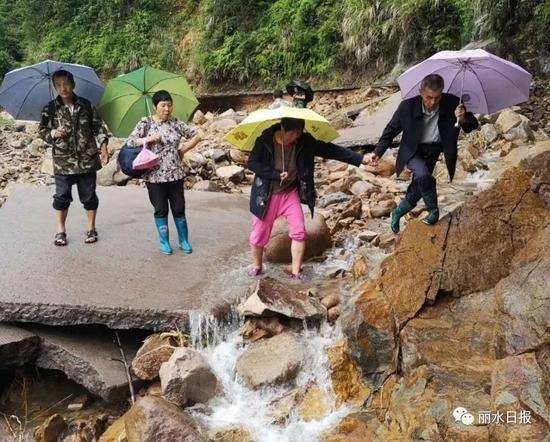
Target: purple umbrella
484 82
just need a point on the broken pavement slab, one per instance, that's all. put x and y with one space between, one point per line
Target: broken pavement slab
122 281
86 356
17 346
369 126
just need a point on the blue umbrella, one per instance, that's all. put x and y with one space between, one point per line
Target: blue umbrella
25 91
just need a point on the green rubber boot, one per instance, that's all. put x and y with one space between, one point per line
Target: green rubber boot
430 199
400 211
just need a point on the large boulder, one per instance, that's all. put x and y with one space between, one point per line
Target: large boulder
318 239
187 379
507 120
269 297
152 419
271 361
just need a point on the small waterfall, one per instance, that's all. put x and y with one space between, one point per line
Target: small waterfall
238 406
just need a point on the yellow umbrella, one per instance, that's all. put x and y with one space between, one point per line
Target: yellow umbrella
244 135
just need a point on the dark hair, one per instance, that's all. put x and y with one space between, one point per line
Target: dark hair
62 73
277 93
288 124
432 82
161 96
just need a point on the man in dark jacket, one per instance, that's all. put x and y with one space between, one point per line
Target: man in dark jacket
283 163
428 123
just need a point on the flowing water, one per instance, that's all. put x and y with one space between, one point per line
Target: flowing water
241 407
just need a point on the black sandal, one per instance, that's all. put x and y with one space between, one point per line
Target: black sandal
91 237
60 239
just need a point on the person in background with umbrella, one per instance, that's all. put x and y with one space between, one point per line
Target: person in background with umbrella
283 162
162 133
428 123
71 125
301 93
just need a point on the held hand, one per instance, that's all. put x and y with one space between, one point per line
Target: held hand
152 139
370 159
104 156
59 133
284 176
460 113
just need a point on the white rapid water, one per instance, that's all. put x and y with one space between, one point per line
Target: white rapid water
242 407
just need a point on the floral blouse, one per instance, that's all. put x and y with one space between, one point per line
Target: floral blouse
171 132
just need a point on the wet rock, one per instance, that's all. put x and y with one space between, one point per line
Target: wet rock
233 434
271 361
153 419
51 429
206 186
318 240
116 431
281 408
360 266
489 132
17 346
195 159
187 378
270 296
384 240
367 235
334 313
506 147
235 174
330 301
258 328
347 382
314 405
334 198
155 351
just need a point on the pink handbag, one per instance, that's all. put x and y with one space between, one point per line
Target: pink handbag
145 159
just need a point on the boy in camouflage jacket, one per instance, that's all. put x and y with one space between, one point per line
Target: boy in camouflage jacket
73 128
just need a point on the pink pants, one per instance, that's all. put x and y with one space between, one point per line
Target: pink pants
285 204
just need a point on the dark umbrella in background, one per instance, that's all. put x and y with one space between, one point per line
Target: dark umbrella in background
25 91
300 86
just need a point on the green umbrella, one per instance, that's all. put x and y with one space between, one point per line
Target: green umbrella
127 98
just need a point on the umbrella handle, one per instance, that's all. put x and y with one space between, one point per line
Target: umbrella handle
457 124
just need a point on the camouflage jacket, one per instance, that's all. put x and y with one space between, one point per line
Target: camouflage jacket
78 152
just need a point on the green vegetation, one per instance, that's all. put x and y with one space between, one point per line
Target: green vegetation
261 42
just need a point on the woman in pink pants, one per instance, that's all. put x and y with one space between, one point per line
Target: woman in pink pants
283 163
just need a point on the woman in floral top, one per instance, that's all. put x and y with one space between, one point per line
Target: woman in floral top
162 133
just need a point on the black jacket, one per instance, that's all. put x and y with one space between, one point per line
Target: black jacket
408 119
261 162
